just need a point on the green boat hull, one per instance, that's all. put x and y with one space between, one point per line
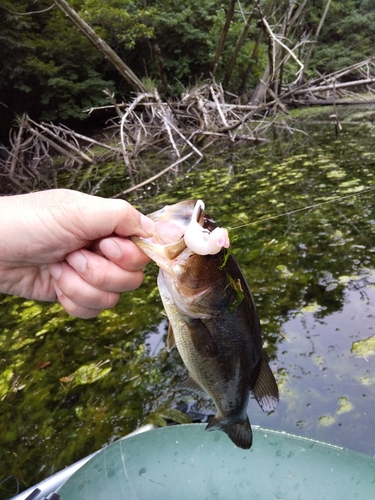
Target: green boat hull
184 462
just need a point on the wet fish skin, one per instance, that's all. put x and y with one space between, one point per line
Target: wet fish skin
214 325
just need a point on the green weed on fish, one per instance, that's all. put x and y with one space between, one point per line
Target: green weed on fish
233 283
237 287
232 238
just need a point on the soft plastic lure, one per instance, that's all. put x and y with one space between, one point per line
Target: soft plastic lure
200 240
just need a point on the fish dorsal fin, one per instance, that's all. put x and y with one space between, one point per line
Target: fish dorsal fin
190 383
171 343
202 339
265 388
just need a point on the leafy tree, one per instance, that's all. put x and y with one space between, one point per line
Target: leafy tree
347 37
120 22
51 71
48 68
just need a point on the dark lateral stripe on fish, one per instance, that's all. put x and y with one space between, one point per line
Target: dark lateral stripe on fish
216 327
265 388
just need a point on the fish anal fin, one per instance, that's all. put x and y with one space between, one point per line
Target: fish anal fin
170 339
202 339
239 432
190 383
265 389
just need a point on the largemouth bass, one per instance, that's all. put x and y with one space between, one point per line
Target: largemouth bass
213 321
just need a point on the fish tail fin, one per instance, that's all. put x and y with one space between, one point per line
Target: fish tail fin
238 431
265 389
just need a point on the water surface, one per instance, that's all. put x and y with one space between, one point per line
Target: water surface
69 386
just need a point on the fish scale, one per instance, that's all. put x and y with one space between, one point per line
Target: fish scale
213 319
201 372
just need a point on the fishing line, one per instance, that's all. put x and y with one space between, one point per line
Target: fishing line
310 207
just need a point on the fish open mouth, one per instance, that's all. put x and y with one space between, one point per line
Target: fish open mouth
202 241
167 232
185 222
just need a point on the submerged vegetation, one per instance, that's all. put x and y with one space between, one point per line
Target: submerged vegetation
300 207
70 386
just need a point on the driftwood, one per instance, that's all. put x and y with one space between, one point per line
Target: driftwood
331 102
39 153
183 129
360 76
180 129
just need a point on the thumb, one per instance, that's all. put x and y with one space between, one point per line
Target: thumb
94 217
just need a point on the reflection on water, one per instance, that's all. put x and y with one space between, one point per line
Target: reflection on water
70 386
327 382
325 365
156 340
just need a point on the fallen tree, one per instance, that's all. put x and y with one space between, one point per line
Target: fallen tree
101 45
183 127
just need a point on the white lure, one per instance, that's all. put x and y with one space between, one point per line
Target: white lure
200 240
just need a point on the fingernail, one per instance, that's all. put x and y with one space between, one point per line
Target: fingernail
58 291
77 260
147 225
110 249
55 270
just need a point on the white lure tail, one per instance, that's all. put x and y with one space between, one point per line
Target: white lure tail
200 240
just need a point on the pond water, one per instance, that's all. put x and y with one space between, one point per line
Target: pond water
69 387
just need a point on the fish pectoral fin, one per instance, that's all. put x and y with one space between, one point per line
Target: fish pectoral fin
265 389
171 343
202 339
190 383
238 431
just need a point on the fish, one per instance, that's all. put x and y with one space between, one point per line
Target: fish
212 316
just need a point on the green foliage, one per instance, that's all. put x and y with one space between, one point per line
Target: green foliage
121 22
51 71
48 68
347 36
184 32
188 32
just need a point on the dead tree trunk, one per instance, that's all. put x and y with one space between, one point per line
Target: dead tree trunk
261 88
101 45
278 52
223 35
161 68
312 45
237 48
250 66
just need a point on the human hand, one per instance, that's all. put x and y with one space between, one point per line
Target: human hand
72 247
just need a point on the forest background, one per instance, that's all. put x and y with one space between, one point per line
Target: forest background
50 71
